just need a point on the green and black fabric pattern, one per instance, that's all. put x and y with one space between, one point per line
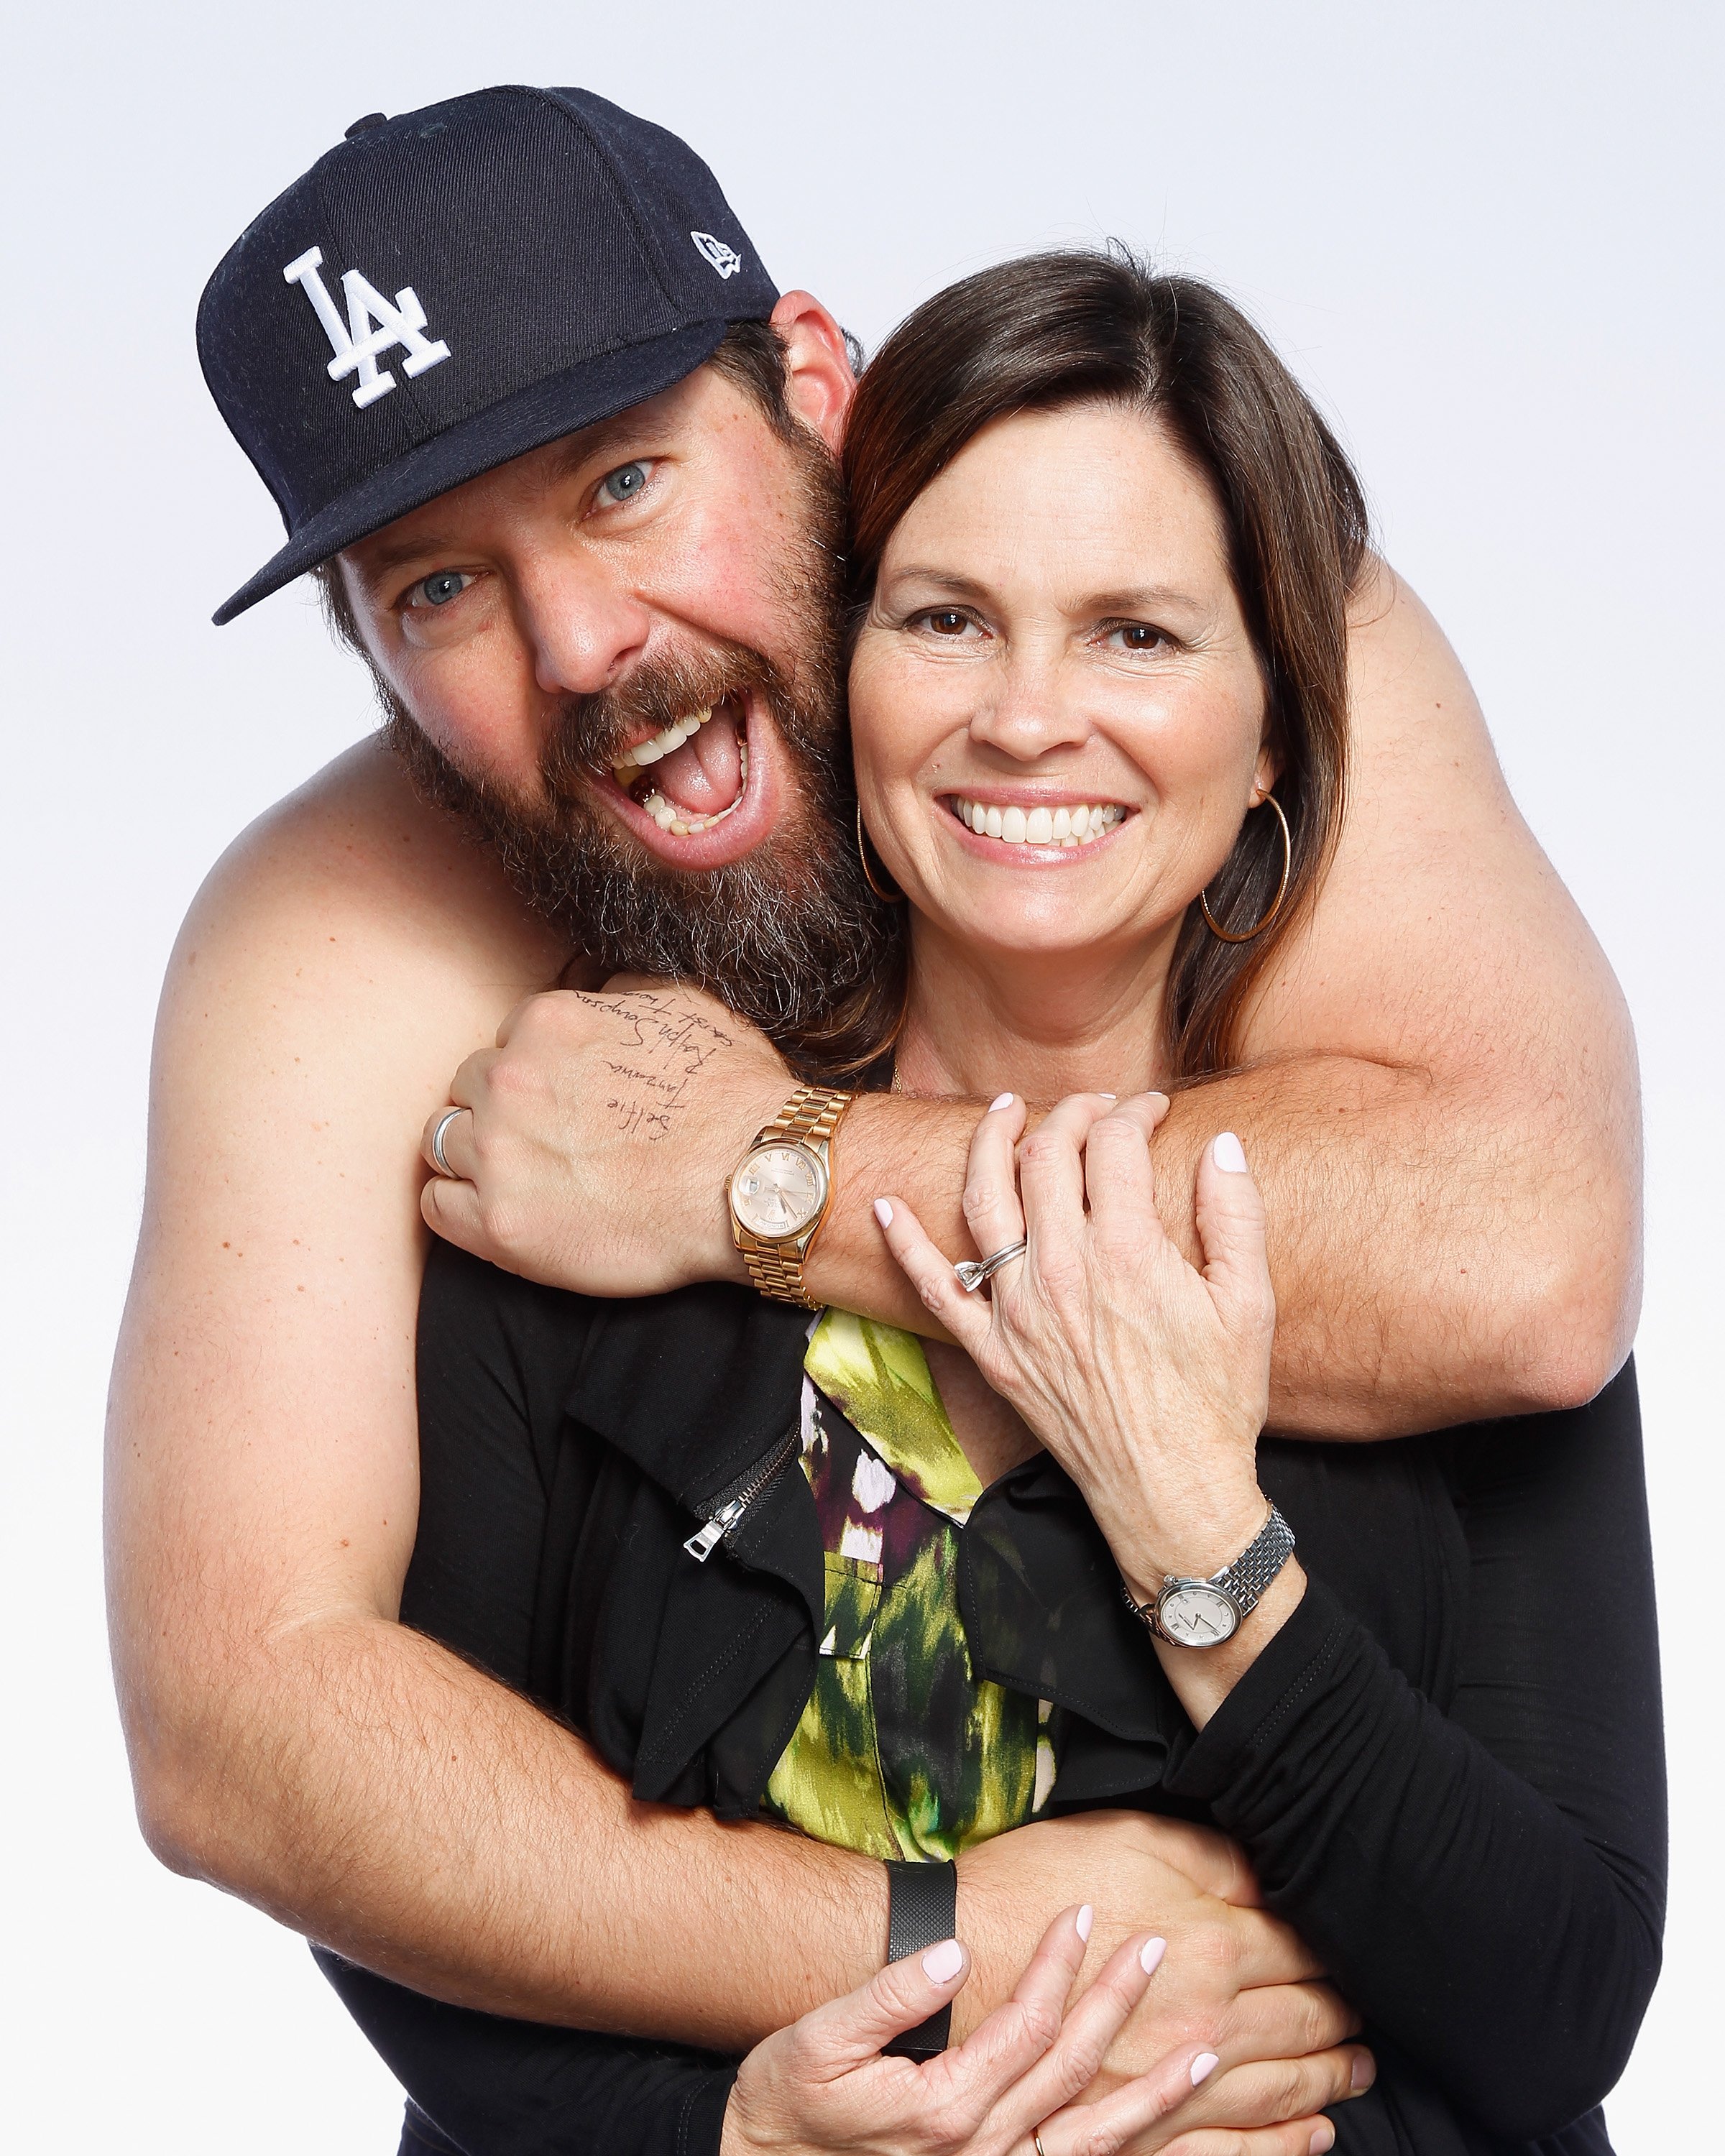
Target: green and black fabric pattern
901 1750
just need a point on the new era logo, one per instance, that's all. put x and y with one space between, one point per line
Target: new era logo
725 259
373 326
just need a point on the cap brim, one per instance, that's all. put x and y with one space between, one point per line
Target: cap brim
561 404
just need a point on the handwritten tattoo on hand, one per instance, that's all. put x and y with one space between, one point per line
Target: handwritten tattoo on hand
662 1044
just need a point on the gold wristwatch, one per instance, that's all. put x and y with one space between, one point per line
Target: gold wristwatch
781 1189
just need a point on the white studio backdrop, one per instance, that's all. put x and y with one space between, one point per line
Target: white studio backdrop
1485 235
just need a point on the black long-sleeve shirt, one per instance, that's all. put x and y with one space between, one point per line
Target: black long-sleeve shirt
1445 1767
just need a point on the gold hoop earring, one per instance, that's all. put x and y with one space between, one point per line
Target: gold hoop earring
887 897
1245 935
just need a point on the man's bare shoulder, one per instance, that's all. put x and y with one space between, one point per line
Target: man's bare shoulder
346 952
354 860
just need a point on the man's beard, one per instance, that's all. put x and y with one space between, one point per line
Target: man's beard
787 935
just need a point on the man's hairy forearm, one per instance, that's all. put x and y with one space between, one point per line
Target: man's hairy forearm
1438 1257
1434 1259
382 1796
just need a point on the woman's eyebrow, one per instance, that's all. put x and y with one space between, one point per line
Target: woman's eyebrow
941 580
1133 598
1141 598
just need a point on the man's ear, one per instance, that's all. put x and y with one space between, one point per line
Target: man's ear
819 381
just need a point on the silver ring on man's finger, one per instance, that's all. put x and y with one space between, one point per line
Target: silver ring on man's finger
973 1271
1036 2141
438 1159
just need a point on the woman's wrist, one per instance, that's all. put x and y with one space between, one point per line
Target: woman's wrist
1202 1677
1191 1537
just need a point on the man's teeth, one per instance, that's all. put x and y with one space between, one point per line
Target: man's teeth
669 818
1040 827
661 744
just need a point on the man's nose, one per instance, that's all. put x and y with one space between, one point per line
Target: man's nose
1033 704
583 627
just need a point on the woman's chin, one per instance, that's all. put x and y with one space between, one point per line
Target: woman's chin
1034 931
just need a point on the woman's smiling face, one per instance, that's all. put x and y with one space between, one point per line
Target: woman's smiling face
1057 713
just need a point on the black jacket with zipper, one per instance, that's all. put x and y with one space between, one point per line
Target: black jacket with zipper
1445 1767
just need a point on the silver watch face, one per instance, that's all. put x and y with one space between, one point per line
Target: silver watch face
779 1191
1193 1614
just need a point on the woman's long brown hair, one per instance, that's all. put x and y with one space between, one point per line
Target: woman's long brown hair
1082 326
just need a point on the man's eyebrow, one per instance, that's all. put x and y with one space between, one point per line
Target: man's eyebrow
380 556
376 558
604 439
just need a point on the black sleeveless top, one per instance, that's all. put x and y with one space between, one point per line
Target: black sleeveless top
1445 1768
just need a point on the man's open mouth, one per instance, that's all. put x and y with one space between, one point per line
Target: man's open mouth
694 773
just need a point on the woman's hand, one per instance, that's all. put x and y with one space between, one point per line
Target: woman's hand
822 2085
1147 1380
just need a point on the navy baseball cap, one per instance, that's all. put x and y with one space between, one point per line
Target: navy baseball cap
449 289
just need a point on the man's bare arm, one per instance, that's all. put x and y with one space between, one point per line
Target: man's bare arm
289 1741
1441 1106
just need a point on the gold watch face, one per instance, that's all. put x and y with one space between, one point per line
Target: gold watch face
779 1191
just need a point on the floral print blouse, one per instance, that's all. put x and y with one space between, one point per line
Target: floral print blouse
901 1751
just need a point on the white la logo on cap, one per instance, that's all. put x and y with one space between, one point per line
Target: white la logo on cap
725 259
357 345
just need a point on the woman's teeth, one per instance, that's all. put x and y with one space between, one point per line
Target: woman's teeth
1040 827
650 752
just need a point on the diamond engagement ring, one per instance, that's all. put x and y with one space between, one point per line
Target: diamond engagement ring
973 1271
438 1160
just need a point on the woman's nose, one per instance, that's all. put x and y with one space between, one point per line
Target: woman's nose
1034 707
583 627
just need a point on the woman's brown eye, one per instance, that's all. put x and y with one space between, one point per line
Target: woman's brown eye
1138 636
946 623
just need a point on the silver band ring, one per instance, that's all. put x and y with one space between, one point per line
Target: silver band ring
1036 2141
973 1271
438 1160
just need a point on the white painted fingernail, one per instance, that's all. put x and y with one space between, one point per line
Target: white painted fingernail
1000 1101
1228 1153
1203 2066
941 1963
1150 1955
883 1212
1085 1917
1108 1097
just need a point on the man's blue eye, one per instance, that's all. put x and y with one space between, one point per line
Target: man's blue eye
626 480
446 585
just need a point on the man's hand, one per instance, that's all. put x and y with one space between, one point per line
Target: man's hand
1235 1980
602 1128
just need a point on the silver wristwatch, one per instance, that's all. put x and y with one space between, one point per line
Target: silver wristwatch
1203 1613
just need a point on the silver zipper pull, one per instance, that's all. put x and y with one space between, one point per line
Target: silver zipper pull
701 1545
705 1540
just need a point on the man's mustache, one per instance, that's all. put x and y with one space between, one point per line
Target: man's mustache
591 733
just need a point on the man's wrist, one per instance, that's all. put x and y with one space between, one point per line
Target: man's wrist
717 1256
